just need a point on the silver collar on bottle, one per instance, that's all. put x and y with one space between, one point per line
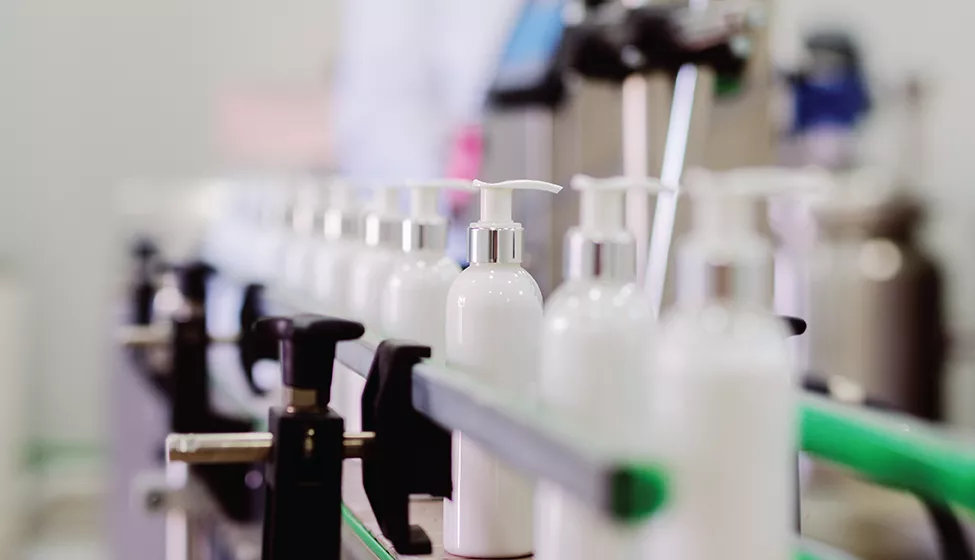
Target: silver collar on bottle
382 231
338 224
502 245
742 283
604 257
424 236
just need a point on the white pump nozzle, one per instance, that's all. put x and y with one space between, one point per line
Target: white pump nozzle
340 195
776 181
496 198
722 207
385 200
423 196
602 201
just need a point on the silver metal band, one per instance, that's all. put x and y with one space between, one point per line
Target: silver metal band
340 225
495 245
381 230
709 281
424 236
610 258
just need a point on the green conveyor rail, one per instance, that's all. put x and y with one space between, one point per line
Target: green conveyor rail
891 450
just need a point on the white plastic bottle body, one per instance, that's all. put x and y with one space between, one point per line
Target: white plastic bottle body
596 350
298 266
415 293
331 275
724 422
368 276
494 321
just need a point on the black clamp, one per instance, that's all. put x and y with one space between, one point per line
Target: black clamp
253 348
304 469
409 455
145 282
237 488
303 453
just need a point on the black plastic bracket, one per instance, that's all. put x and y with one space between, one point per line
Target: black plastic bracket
253 348
409 455
236 488
796 325
144 285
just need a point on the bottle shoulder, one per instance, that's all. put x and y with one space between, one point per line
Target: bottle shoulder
411 269
584 303
498 283
739 340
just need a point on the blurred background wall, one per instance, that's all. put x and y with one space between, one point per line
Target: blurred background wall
93 94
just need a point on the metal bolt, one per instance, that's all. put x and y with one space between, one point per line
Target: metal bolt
357 445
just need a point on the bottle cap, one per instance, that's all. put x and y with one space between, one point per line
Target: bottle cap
496 237
382 222
341 219
425 229
724 258
303 205
600 246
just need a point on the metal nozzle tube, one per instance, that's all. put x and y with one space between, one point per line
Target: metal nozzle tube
219 448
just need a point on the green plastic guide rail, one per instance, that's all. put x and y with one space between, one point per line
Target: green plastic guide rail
891 450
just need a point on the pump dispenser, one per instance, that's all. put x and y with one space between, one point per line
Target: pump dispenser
790 194
596 341
336 248
298 251
723 391
494 322
382 226
422 276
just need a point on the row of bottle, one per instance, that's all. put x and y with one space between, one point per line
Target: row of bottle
709 390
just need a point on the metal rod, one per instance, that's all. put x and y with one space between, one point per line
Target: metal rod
356 446
636 163
252 447
219 448
141 335
158 335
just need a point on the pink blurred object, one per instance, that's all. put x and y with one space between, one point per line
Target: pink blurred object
276 128
464 163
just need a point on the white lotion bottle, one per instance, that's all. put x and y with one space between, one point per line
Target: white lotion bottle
494 324
340 243
299 247
421 278
337 248
596 350
723 392
367 276
372 267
